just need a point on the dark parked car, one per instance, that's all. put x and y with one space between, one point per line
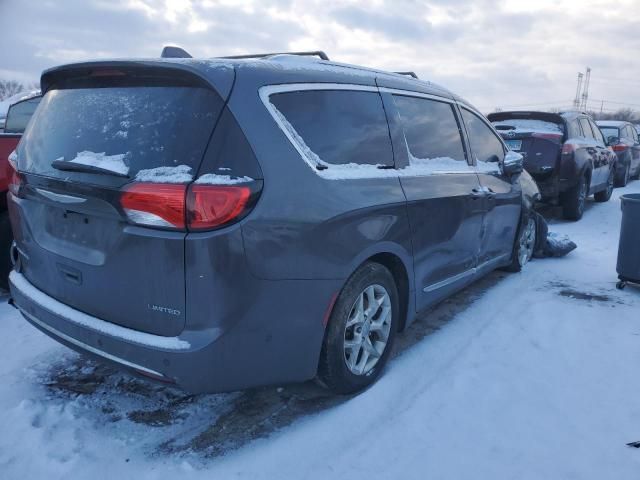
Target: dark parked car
17 117
227 223
565 153
623 139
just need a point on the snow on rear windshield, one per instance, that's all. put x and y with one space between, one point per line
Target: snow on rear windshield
520 125
113 163
152 126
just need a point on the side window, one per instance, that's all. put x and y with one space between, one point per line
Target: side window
574 129
485 145
338 126
634 134
597 134
431 129
19 115
586 128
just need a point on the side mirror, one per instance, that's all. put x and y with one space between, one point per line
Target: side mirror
513 163
613 140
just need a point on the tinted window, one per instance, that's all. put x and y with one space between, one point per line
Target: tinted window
586 128
339 126
430 128
144 127
19 115
485 145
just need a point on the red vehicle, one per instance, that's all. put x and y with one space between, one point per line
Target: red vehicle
17 118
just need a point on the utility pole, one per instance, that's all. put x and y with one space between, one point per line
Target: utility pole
585 92
576 101
601 107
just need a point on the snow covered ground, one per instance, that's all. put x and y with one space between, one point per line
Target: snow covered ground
528 376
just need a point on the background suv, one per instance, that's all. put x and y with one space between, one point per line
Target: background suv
565 153
230 223
623 139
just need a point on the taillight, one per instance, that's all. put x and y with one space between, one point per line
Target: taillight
621 147
210 206
199 207
154 204
16 181
568 148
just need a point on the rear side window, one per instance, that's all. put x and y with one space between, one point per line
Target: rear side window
431 129
134 128
574 129
339 126
485 144
19 115
586 128
597 134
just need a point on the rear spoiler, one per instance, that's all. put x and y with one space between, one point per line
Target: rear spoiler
544 116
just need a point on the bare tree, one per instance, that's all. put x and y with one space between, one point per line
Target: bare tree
9 88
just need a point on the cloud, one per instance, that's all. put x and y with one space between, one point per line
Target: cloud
495 53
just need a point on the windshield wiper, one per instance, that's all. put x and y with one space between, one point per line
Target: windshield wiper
69 166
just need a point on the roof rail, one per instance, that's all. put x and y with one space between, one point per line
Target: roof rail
170 51
408 74
317 53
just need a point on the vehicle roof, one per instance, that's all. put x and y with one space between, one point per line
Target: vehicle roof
612 123
280 68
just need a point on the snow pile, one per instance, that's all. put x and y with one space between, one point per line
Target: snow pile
558 245
112 163
520 125
178 174
214 179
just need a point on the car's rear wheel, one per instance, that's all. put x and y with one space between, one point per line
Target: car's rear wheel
604 195
574 200
361 330
624 179
525 245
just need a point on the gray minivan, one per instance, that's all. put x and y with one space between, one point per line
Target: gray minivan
226 223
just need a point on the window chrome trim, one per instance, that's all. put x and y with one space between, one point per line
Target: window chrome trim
266 91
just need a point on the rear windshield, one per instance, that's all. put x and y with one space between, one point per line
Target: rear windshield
122 129
520 125
610 132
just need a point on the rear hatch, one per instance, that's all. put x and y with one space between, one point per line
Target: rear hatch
537 135
86 237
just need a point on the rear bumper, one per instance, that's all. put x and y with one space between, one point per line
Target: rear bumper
208 360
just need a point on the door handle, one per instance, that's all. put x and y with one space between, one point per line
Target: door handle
477 193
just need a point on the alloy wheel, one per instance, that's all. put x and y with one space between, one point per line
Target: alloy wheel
527 242
367 329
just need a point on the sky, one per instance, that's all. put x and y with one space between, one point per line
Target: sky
508 54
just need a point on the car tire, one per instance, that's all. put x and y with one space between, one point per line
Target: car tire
624 179
525 244
604 195
366 312
574 200
6 238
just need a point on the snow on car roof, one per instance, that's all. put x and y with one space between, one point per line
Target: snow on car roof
611 123
18 97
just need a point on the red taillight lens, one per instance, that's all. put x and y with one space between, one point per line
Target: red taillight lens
156 205
210 206
199 207
619 147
